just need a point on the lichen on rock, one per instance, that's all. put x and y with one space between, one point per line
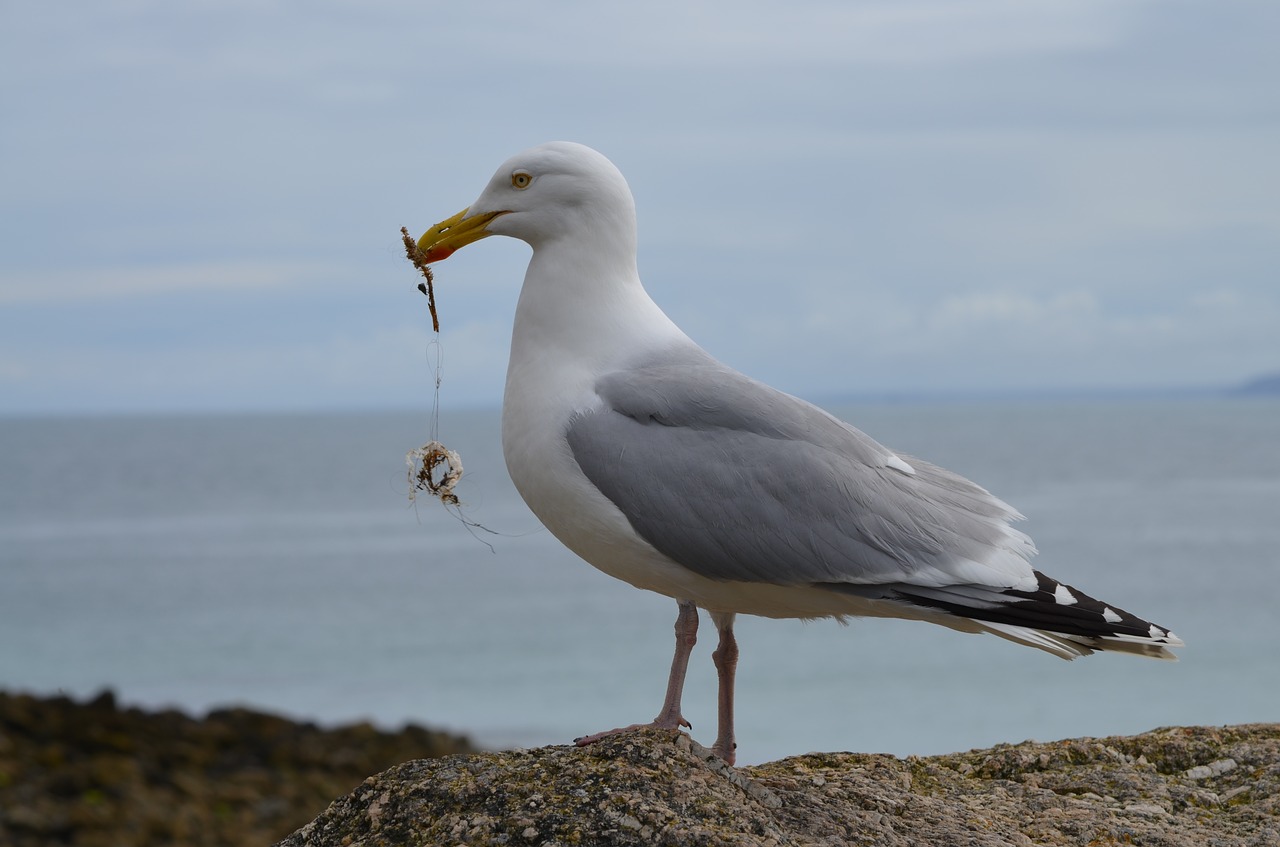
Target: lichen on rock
1169 787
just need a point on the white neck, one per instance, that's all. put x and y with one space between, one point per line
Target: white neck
581 314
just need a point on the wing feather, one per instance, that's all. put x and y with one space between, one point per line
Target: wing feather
738 481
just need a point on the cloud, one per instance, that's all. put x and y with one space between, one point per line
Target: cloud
13 369
63 285
387 367
984 339
699 35
832 195
980 312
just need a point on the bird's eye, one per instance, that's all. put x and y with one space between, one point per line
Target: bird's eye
521 180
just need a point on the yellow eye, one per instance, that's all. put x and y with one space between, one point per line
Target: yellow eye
521 180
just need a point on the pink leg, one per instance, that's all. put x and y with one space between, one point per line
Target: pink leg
726 659
669 717
686 637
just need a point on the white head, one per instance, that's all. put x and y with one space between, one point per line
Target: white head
560 190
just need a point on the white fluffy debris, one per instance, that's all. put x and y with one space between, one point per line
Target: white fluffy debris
434 468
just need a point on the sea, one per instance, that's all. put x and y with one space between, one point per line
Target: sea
276 561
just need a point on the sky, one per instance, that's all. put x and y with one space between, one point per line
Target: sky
201 200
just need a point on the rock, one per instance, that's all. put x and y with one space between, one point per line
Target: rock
1166 788
1212 769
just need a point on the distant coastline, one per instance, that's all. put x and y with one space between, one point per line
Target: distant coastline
1267 385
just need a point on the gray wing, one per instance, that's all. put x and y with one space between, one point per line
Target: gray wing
738 481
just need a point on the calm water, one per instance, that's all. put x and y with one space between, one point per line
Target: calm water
275 561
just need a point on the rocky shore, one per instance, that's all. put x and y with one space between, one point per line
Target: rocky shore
1177 787
93 773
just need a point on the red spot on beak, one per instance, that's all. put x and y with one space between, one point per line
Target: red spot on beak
437 254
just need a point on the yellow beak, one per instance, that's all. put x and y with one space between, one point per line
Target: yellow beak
444 238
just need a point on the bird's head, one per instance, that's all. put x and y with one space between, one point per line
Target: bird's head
547 192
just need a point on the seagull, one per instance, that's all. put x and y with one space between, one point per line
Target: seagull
673 472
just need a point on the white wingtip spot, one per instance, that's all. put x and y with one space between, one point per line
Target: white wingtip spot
1063 596
1157 632
898 465
1110 616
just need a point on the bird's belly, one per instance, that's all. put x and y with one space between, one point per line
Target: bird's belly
578 515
